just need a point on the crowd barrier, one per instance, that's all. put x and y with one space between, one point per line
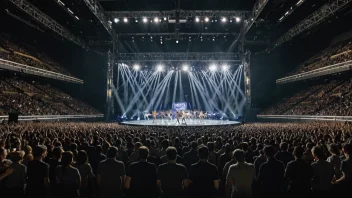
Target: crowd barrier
308 117
54 117
13 66
331 69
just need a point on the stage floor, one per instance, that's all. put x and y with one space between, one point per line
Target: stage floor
172 123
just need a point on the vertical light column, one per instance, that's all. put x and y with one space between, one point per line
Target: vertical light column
247 79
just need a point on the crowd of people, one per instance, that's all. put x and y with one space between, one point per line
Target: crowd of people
340 53
110 160
329 99
13 50
32 98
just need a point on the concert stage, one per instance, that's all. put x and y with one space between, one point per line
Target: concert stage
172 123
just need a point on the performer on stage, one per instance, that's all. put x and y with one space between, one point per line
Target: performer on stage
177 117
146 116
201 116
154 116
170 114
183 117
205 115
194 114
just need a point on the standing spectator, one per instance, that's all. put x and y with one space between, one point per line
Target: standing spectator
54 162
271 173
172 177
27 155
38 174
141 180
213 156
240 177
323 172
111 174
335 160
284 156
299 174
86 172
122 156
97 157
191 156
134 156
204 177
259 160
224 158
346 167
15 182
67 177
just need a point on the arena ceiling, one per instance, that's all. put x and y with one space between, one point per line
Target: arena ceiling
277 17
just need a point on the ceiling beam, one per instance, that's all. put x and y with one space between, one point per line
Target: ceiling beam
47 21
183 14
95 7
312 20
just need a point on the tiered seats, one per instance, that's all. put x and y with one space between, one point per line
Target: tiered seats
334 98
36 99
12 50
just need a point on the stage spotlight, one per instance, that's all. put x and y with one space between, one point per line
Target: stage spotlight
206 19
145 20
156 19
136 20
225 67
176 41
185 67
160 68
212 67
116 20
136 67
125 20
165 18
197 19
224 19
238 19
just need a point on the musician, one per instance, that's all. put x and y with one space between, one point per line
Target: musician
154 116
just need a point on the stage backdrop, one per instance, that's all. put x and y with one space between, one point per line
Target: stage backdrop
179 106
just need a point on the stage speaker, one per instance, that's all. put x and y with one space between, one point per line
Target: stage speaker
13 117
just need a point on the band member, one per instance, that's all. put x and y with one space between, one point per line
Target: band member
154 116
170 115
177 117
183 117
201 116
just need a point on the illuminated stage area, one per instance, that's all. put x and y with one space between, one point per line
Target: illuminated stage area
173 123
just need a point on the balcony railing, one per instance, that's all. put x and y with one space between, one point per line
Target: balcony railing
331 69
307 117
13 66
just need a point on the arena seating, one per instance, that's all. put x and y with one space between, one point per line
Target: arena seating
338 53
13 50
33 98
333 98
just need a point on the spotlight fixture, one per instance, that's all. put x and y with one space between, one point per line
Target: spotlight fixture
116 20
176 41
165 18
238 19
185 67
224 19
160 68
197 19
136 21
136 67
125 20
225 67
206 19
156 19
145 20
161 42
212 67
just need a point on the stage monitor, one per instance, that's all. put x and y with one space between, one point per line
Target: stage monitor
179 106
